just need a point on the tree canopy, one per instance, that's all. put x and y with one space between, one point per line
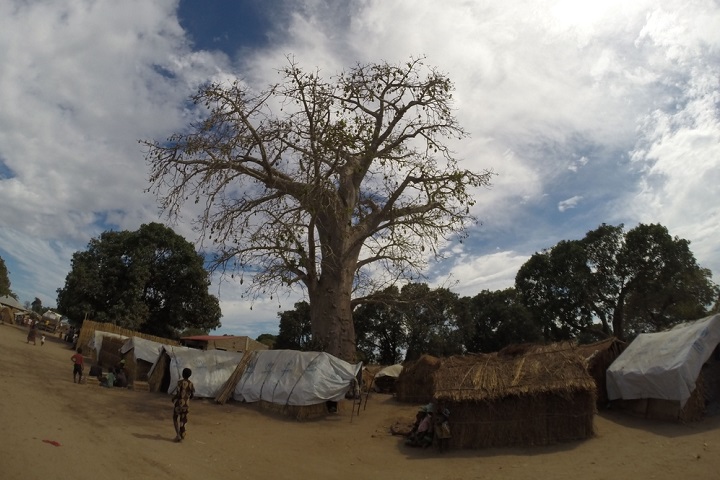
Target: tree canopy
341 186
5 280
151 280
615 283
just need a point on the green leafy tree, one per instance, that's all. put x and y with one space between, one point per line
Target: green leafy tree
615 283
5 281
267 339
37 305
341 186
151 280
295 332
380 329
431 321
497 319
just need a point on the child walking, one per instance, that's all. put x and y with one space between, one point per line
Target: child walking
78 363
184 391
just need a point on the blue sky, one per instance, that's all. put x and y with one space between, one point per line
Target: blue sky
589 112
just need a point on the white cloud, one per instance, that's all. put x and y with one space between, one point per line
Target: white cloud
604 111
569 203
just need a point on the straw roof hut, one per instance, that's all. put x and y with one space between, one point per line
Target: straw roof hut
600 355
415 382
541 397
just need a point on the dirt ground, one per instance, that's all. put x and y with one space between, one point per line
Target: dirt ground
55 429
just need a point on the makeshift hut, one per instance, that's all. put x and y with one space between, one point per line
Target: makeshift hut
92 333
542 397
139 355
296 383
210 369
368 376
415 382
600 355
660 375
385 378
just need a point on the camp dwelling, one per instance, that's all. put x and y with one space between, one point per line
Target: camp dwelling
670 375
210 369
541 396
139 355
298 384
101 343
415 383
600 355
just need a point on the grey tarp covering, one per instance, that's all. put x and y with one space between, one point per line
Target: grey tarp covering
664 365
290 377
210 368
96 341
146 350
391 371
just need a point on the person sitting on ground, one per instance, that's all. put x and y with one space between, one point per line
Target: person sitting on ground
442 430
120 378
423 435
108 380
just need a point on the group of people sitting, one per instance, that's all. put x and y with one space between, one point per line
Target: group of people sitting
116 376
429 426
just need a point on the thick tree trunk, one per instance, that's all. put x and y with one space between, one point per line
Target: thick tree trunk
619 317
331 314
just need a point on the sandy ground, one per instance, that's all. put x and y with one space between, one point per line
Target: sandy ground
123 434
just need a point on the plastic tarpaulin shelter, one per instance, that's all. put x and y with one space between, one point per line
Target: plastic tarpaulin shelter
664 365
95 343
145 350
210 368
289 377
391 371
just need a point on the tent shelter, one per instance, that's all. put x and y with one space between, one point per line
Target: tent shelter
299 383
659 374
210 369
384 380
139 355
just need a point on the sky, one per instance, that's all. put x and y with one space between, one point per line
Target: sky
588 112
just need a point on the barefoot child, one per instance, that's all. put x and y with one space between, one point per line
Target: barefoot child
184 391
78 363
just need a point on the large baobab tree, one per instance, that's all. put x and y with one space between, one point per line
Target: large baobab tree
331 184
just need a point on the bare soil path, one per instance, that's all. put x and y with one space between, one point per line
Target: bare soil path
119 434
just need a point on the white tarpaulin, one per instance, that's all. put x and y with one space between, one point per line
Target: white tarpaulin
664 365
210 368
289 377
96 341
146 350
391 371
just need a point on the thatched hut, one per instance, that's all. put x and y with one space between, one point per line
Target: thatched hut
415 382
541 397
600 355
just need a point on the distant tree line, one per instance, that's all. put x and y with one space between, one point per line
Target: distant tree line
610 283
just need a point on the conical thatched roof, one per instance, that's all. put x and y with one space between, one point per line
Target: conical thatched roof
558 369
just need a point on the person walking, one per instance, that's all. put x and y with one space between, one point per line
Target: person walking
184 391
